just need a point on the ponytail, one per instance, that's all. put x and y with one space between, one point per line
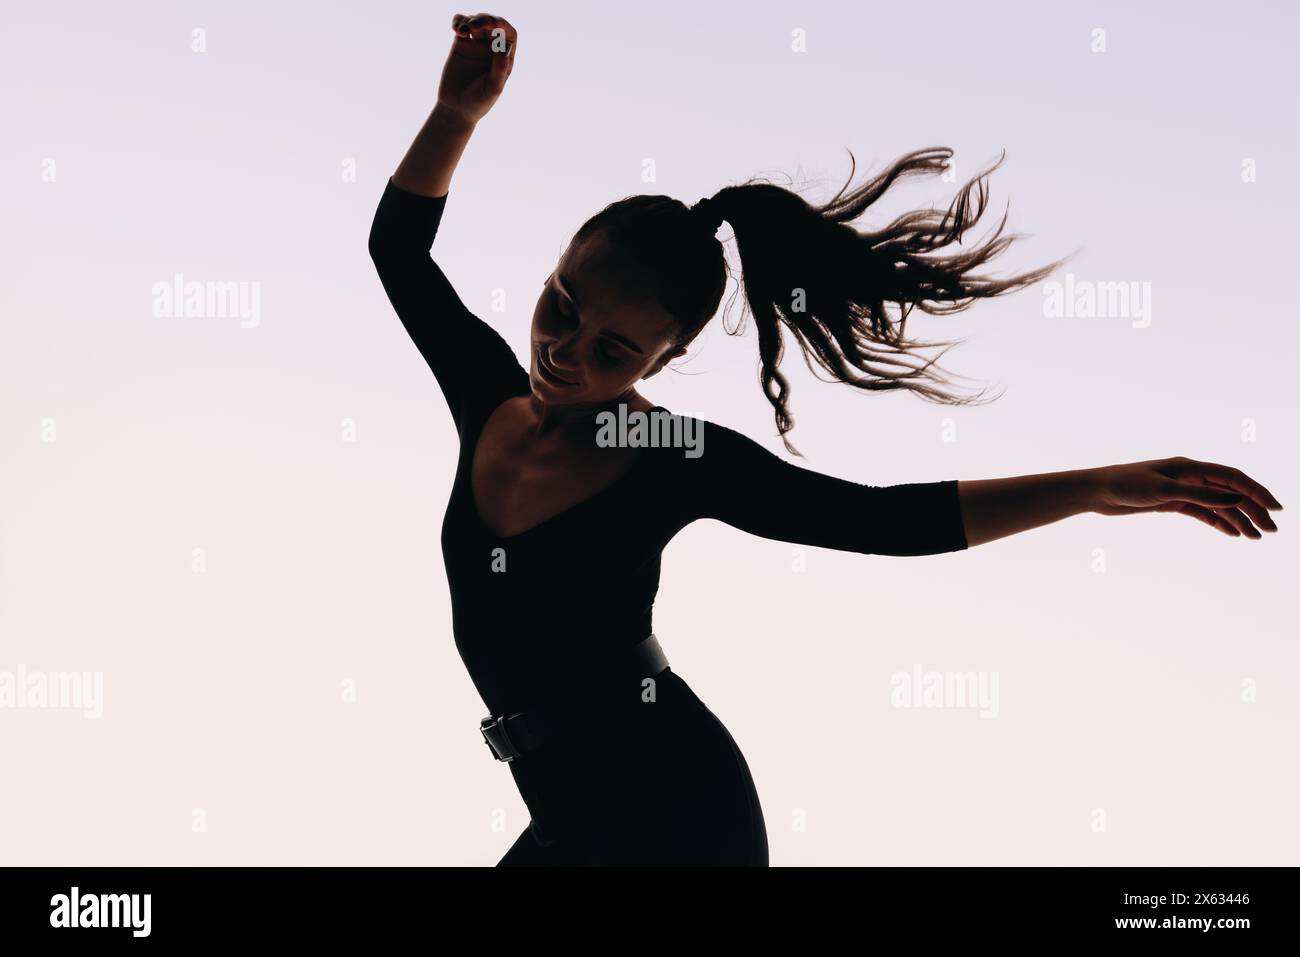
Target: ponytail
845 294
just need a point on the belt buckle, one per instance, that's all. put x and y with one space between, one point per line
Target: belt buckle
498 742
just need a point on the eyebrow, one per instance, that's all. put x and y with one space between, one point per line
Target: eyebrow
568 291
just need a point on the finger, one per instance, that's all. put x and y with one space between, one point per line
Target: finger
1233 478
1206 515
485 24
1252 507
507 36
500 70
498 39
1257 514
512 39
1210 495
509 28
1200 512
1240 521
471 27
490 22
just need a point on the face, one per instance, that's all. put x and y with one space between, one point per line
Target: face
597 329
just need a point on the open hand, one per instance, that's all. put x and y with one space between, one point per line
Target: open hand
482 56
1223 497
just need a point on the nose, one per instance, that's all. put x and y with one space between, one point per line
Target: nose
561 354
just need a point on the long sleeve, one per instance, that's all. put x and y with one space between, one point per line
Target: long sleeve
474 365
737 481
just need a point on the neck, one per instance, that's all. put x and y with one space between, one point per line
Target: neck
572 416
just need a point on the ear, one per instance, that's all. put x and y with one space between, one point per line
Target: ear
663 360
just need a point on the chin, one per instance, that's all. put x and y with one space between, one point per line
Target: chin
545 391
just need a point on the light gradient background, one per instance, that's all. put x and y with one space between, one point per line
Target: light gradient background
1121 692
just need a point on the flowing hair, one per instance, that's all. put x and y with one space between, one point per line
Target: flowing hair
845 294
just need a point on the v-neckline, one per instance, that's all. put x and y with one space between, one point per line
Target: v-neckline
492 532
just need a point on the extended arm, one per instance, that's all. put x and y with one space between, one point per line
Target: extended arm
1222 497
996 508
743 484
739 482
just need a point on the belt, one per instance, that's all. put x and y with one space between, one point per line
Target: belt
510 735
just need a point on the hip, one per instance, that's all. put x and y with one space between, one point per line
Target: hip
665 777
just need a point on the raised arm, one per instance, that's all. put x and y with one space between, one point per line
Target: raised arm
471 361
481 59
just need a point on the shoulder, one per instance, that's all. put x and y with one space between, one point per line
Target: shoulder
494 389
710 470
682 444
701 451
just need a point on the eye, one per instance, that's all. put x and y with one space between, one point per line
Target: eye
609 356
564 307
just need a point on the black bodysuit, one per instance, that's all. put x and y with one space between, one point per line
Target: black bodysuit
583 584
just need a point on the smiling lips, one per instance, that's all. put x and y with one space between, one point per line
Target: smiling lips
548 372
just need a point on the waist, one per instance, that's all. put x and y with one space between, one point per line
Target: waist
581 697
516 663
600 670
669 725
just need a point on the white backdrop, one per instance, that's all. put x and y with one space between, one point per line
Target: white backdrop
234 523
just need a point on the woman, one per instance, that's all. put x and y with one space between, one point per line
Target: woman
557 517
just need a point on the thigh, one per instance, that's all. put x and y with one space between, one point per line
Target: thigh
683 797
666 786
524 852
531 850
